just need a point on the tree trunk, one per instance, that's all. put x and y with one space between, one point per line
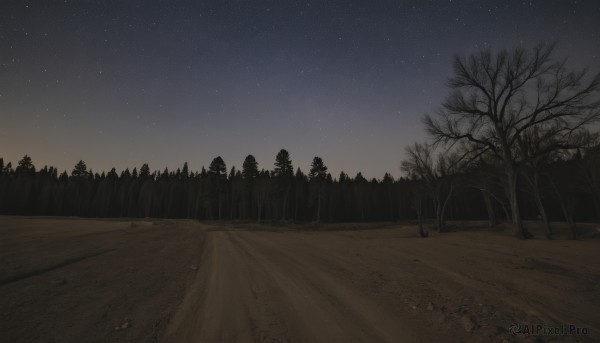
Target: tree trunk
540 207
419 210
513 198
565 209
539 204
438 216
493 220
569 218
442 221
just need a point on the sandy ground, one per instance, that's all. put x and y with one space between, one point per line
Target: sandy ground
83 280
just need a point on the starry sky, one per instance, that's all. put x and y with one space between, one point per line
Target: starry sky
122 83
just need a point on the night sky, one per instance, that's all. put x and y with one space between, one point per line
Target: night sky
122 83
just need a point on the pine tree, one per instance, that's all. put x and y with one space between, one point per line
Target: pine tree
249 173
250 167
165 174
300 194
360 194
283 164
284 174
318 170
63 176
144 171
112 174
185 171
218 168
217 173
80 170
317 176
387 178
343 177
125 174
25 166
234 191
261 191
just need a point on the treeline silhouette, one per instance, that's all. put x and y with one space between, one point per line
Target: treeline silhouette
278 194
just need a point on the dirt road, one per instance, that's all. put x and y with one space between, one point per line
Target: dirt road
75 280
252 290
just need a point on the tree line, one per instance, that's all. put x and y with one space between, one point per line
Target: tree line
217 193
279 194
517 138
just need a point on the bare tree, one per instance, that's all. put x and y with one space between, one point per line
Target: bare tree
497 97
539 145
437 175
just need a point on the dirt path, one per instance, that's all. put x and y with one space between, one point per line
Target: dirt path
251 290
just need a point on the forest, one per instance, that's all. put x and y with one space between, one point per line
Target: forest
516 138
282 194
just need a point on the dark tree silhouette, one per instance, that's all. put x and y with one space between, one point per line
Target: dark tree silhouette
80 170
249 173
495 98
361 187
284 175
144 172
250 167
235 187
170 195
283 164
260 191
185 173
317 177
217 174
25 166
301 194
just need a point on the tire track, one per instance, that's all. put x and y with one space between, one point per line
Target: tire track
61 264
